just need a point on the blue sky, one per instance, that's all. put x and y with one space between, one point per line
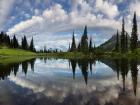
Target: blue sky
51 22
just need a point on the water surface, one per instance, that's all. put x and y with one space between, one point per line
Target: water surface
45 81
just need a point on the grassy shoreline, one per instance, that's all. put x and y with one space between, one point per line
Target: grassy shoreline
15 52
18 53
79 55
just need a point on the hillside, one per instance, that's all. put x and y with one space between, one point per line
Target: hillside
110 44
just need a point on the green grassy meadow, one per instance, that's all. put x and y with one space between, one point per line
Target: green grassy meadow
15 52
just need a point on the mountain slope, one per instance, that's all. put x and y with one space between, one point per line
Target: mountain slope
110 44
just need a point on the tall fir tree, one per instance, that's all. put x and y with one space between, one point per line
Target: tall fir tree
84 41
117 46
90 45
134 35
24 43
31 47
8 42
15 43
2 37
73 46
123 37
126 41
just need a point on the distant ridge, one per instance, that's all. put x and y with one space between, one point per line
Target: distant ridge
110 44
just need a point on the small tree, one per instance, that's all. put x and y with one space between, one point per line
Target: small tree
94 48
45 49
90 45
79 47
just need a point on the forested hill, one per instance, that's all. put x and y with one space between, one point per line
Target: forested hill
109 45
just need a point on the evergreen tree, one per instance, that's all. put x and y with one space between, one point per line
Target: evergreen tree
126 41
84 41
8 42
79 47
134 35
73 46
117 42
15 43
2 38
24 43
32 48
45 49
90 45
123 37
69 47
94 48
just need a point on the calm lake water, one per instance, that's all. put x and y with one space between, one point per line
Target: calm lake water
70 82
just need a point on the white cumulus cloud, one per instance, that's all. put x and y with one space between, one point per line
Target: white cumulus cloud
107 8
96 14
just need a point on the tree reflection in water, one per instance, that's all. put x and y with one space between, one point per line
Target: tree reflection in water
120 66
7 69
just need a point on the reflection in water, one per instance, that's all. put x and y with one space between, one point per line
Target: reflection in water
7 69
64 90
83 65
121 66
134 74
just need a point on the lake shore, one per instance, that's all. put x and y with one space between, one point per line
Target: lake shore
17 54
80 55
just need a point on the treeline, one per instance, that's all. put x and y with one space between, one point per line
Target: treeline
123 44
85 45
5 40
45 50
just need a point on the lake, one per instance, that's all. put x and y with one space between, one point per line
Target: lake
43 81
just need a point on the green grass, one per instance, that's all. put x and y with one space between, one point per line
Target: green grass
18 54
15 52
99 54
129 54
69 55
14 55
